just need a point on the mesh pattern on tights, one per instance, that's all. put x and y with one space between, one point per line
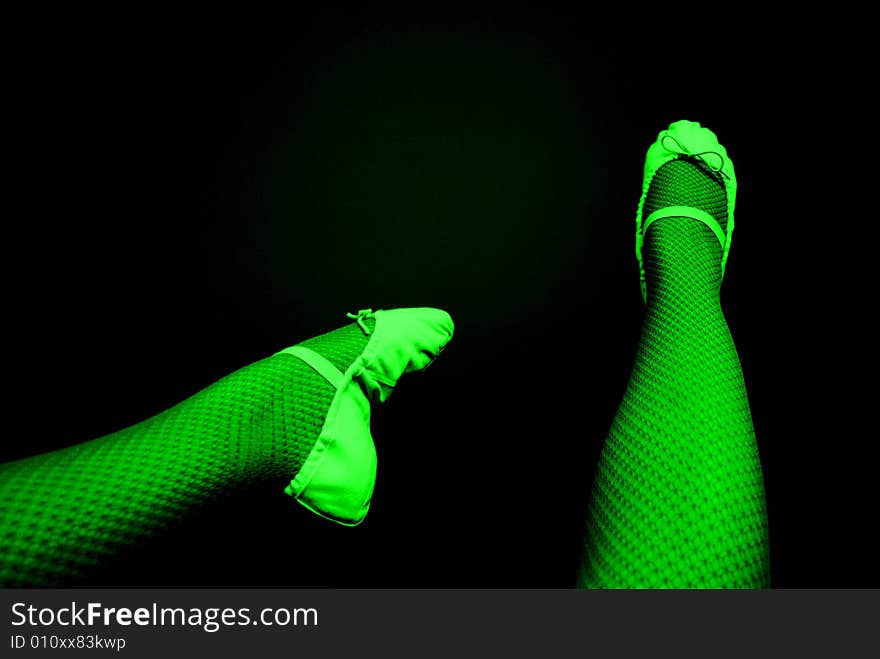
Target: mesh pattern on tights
65 513
678 499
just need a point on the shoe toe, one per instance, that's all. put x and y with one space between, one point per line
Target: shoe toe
694 137
417 335
404 341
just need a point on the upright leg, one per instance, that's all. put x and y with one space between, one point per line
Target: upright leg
678 500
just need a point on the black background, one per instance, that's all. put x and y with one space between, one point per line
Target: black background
194 193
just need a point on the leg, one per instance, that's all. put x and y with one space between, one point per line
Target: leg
65 513
678 499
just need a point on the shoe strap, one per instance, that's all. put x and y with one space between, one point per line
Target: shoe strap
330 373
687 211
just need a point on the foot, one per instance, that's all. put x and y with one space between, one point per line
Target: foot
337 478
688 179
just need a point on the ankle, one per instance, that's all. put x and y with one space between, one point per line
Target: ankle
682 262
342 346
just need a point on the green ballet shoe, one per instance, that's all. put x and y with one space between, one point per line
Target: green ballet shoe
687 139
337 478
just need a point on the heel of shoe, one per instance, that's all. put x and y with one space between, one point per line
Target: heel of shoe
338 477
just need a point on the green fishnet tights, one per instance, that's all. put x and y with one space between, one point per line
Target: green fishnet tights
678 500
65 514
